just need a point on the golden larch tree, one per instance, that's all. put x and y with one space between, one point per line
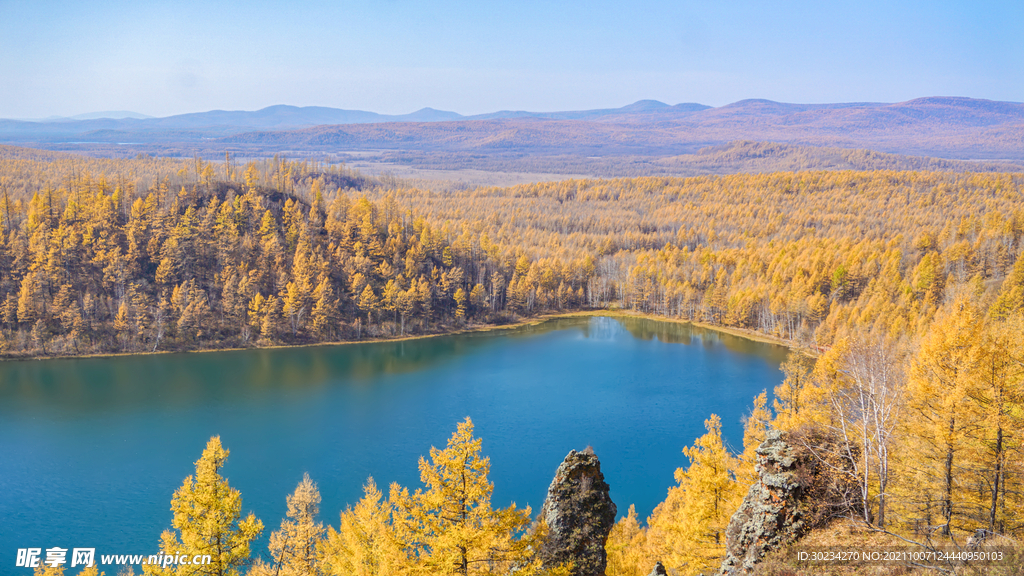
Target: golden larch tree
451 526
208 521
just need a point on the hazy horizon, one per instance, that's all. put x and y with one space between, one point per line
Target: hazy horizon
395 57
120 114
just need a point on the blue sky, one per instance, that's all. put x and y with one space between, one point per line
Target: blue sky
396 56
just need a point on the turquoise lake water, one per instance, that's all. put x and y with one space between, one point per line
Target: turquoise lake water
93 449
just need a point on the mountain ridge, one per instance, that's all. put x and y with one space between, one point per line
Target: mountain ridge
283 116
300 116
941 126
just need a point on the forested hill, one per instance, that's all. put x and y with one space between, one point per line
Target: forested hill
148 254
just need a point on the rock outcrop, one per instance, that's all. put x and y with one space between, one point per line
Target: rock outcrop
773 512
579 514
805 480
659 570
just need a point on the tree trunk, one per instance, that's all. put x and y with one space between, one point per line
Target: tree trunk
996 476
947 493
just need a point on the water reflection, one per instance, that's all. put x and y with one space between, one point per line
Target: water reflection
94 448
129 382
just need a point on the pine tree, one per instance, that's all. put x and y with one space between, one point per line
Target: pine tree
271 319
369 303
27 304
257 306
755 429
997 395
478 298
461 300
294 307
791 406
389 297
325 311
425 297
406 305
1011 294
122 323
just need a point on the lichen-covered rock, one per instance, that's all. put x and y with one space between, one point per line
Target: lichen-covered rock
579 515
773 513
659 570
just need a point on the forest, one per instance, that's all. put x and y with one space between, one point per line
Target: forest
99 267
900 293
738 156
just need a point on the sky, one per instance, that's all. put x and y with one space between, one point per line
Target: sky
397 56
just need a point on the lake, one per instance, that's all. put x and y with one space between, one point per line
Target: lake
93 449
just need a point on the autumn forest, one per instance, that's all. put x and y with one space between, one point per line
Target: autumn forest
901 295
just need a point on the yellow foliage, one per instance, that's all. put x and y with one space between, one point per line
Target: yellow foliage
687 530
627 548
293 547
792 404
755 428
940 417
364 544
996 450
450 527
207 520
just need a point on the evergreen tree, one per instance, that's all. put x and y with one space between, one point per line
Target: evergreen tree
790 405
755 429
1011 294
369 303
325 311
461 301
997 395
627 548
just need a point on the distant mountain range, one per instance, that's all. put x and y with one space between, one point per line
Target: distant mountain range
286 117
946 127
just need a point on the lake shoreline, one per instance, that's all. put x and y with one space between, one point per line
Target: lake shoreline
475 328
92 436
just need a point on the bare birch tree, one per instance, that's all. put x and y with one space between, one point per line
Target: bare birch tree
865 399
